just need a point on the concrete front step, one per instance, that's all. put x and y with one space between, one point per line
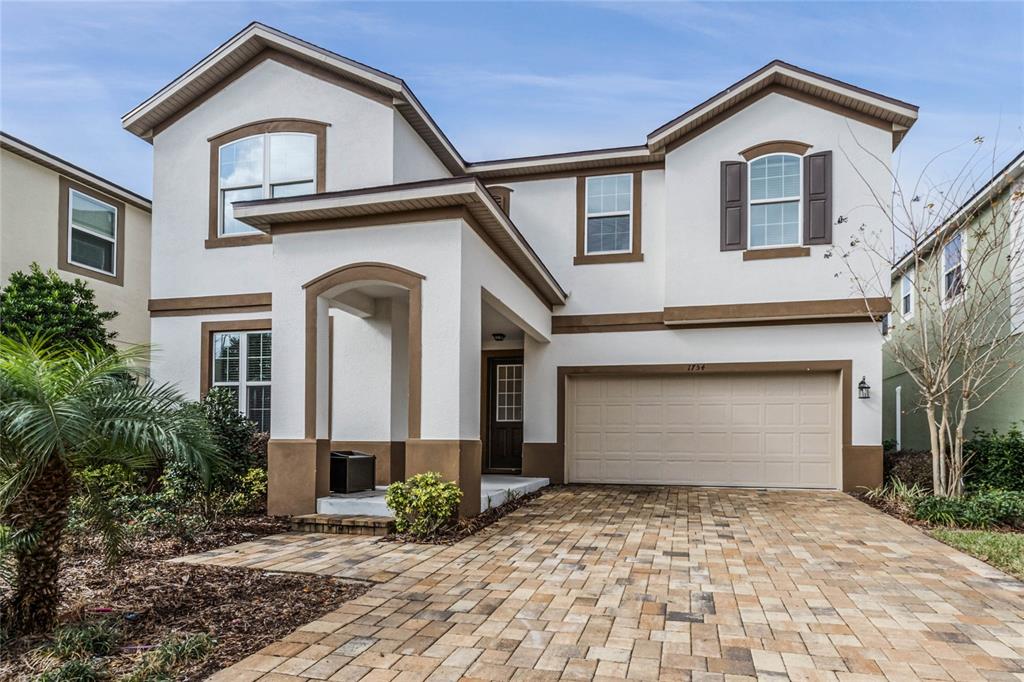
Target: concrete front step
343 524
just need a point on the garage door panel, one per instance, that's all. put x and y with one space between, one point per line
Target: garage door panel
772 430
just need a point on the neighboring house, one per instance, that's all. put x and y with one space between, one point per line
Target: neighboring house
661 313
84 227
904 423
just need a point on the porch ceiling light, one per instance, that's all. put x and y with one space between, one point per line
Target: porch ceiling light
498 336
863 389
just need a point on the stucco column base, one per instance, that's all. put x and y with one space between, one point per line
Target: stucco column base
544 460
862 467
456 460
389 455
298 472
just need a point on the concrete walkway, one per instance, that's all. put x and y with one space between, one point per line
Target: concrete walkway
652 583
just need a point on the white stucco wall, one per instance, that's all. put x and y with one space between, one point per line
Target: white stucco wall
361 409
359 154
699 273
545 212
858 342
413 158
29 209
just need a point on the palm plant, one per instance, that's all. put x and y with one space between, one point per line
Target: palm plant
63 411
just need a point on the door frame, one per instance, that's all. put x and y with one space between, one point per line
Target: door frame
485 390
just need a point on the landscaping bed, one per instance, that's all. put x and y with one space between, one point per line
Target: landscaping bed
451 534
157 620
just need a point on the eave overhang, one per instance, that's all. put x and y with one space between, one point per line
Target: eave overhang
409 202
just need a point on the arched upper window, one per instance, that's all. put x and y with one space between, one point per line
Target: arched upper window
774 196
264 166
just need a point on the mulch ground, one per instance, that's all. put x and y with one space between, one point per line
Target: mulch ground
149 599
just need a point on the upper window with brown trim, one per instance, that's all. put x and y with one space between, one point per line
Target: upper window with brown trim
262 160
608 218
90 233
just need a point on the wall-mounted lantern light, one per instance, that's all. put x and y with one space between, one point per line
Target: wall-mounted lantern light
863 390
498 336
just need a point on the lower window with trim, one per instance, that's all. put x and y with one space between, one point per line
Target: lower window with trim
241 364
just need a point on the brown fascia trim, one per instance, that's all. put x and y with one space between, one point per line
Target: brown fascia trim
69 170
780 252
210 305
635 254
206 344
277 125
777 62
64 187
867 309
775 147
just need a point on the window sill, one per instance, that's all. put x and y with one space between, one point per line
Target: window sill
598 258
781 252
116 280
243 240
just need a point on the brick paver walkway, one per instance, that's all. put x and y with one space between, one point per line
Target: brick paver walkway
648 583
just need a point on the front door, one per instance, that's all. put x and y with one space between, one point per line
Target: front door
504 446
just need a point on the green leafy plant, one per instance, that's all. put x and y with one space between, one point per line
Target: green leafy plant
85 640
996 460
897 495
65 410
423 504
981 510
40 303
73 671
172 653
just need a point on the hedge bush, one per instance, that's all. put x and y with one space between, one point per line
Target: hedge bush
996 460
981 510
424 504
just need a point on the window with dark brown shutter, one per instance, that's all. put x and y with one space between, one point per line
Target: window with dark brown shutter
734 205
818 198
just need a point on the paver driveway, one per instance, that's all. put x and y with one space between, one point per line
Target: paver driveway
648 583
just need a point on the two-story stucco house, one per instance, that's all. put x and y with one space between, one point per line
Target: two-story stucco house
82 226
979 247
655 314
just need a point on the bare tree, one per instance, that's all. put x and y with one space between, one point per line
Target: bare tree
961 246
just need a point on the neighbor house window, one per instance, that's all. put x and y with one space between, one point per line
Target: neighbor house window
609 203
907 294
261 167
952 267
241 364
774 200
93 233
886 325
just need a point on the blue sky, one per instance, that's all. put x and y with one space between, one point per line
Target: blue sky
510 79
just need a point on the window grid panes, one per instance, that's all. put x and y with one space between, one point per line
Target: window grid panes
92 241
264 166
952 267
609 206
907 295
509 398
774 201
242 364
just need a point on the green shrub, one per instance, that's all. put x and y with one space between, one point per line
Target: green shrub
996 460
981 510
914 468
85 640
233 433
250 496
41 303
423 504
172 653
898 496
72 671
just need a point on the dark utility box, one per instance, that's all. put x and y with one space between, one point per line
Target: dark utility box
351 471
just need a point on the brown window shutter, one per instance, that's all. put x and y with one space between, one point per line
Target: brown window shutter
734 205
818 198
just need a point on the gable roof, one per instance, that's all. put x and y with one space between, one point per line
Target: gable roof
70 170
257 40
1000 182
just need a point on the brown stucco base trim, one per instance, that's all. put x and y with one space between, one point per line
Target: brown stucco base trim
298 472
390 457
544 460
862 467
456 460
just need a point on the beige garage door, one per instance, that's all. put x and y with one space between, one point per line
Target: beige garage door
758 430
